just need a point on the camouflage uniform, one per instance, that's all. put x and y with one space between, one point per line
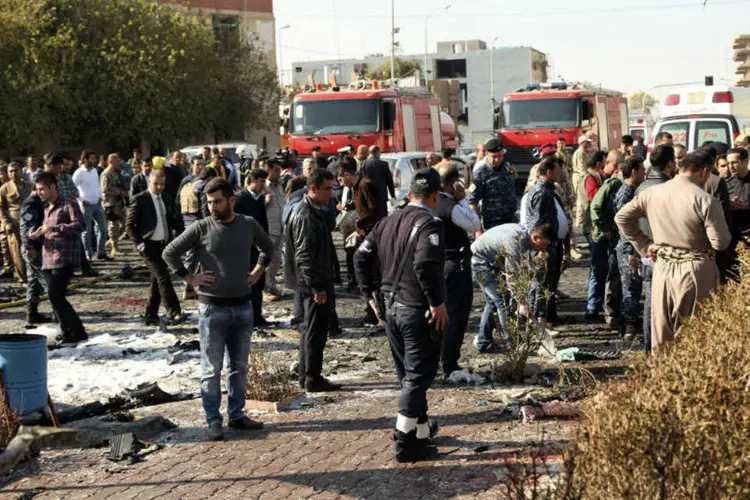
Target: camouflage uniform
631 279
494 187
580 168
114 205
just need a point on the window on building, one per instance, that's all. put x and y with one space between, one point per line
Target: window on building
463 116
451 68
227 31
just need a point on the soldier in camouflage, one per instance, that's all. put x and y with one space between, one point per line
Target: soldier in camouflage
628 260
580 166
492 193
114 201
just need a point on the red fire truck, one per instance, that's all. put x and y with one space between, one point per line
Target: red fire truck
396 119
541 113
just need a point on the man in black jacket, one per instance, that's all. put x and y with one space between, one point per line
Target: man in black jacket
252 202
406 253
140 182
379 173
151 223
309 263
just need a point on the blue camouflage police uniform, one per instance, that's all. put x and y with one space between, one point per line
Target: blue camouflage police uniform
632 281
493 189
32 217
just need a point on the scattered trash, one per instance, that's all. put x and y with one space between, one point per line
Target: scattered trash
446 453
127 447
177 357
130 352
501 474
559 409
368 358
568 354
190 345
481 402
481 449
466 376
120 416
531 413
547 345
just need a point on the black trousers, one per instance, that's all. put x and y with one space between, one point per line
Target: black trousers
57 287
161 282
313 336
458 304
350 277
256 298
555 254
416 356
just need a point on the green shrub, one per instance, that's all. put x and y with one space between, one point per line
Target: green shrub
678 426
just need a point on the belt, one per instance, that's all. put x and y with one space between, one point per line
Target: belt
671 254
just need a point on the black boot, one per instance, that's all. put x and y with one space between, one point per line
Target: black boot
411 449
33 317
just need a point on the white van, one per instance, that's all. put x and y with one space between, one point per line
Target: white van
694 115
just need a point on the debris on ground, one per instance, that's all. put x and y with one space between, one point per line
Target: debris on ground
560 409
129 449
465 377
531 413
568 354
180 346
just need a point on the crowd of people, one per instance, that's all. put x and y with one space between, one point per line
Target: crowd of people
667 224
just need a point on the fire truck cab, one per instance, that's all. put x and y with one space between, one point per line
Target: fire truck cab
541 113
694 115
396 119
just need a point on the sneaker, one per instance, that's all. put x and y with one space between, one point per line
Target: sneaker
591 316
491 349
322 385
176 319
36 318
246 424
104 257
215 432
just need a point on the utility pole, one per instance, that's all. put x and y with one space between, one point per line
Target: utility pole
492 83
393 41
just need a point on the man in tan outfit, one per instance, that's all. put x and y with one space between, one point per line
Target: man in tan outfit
12 195
688 227
581 159
114 201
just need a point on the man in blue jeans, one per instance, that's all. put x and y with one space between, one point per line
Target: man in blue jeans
496 258
223 243
90 198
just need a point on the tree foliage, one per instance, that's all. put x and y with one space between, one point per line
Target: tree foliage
403 68
119 70
635 101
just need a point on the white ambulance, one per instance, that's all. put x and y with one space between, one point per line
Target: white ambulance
695 115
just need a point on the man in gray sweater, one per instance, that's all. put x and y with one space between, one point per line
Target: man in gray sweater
223 243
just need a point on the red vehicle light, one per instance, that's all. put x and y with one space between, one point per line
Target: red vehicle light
640 121
723 97
672 100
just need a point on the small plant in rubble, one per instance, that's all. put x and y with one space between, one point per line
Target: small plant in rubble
8 420
267 379
525 330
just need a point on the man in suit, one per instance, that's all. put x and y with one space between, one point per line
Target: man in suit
379 173
140 182
152 220
251 201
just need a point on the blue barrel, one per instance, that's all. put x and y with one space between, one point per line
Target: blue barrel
23 360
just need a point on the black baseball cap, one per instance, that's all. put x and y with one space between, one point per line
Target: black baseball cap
426 178
316 148
493 146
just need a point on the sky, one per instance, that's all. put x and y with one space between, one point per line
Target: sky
626 45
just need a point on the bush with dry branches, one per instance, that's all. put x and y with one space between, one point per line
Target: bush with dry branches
8 420
677 427
267 379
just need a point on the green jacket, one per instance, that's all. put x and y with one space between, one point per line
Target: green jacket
603 210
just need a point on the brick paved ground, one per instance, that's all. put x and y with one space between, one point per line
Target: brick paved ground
338 448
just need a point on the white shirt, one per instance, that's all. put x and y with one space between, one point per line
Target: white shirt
465 217
524 203
87 182
160 233
562 222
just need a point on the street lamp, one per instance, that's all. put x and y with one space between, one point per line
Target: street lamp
426 19
281 63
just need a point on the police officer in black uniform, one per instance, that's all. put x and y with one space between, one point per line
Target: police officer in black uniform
459 219
406 253
32 217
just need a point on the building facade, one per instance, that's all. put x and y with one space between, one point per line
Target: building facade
464 74
741 48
